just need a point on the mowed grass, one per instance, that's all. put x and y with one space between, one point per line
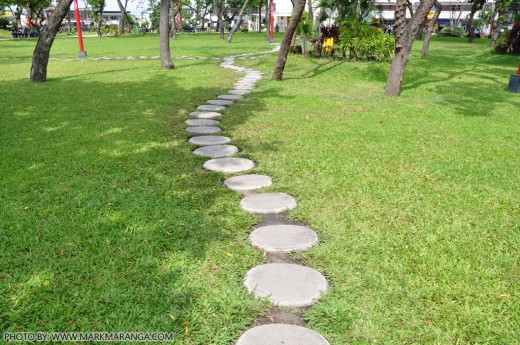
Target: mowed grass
415 199
107 221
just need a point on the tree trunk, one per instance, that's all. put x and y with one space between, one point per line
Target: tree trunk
405 34
289 32
267 18
164 35
475 6
100 19
120 26
172 19
471 29
43 46
426 43
309 9
237 24
259 28
219 9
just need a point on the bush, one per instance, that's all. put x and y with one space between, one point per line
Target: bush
457 32
244 29
367 42
501 46
326 32
4 22
513 38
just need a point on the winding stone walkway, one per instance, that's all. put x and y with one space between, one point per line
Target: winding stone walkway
282 282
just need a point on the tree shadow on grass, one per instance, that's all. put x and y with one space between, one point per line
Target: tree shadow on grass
461 84
109 222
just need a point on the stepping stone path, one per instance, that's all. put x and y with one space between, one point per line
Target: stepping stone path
283 238
219 102
268 203
276 334
248 182
211 107
205 114
203 129
202 122
216 151
229 165
230 97
205 140
284 284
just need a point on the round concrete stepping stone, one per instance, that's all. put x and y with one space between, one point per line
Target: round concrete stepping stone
283 238
278 334
229 165
211 107
238 92
286 284
203 129
201 122
206 140
216 151
268 203
230 97
219 102
244 87
205 114
247 182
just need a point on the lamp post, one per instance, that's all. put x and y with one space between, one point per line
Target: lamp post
82 53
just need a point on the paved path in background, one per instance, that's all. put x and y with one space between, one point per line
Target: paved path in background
130 57
283 282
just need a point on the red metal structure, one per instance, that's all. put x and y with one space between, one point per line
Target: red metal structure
82 52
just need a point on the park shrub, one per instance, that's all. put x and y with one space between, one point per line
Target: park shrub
244 29
4 22
457 32
513 38
326 32
501 46
365 42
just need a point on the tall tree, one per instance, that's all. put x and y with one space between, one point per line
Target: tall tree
286 41
405 33
98 6
164 36
122 9
431 25
238 22
476 5
43 46
218 7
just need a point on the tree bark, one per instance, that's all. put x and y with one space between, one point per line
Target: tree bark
43 46
267 18
220 23
426 43
164 35
475 6
174 10
259 28
289 32
120 26
405 34
237 24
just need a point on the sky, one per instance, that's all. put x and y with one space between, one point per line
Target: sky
135 7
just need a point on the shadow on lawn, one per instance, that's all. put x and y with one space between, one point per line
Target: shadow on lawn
461 83
109 218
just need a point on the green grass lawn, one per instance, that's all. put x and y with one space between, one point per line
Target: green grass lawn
415 199
108 222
